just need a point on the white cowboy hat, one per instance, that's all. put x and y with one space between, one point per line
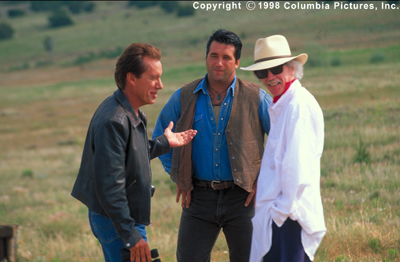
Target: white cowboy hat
273 51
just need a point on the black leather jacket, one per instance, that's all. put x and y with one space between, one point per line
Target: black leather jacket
115 176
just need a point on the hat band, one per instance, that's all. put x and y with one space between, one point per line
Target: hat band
271 58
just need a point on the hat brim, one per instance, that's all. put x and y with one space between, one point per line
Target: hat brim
302 58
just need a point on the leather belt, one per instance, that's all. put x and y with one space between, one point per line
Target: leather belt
216 185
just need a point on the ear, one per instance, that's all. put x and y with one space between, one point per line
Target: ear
130 79
237 63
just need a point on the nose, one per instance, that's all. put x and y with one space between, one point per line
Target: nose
160 84
219 62
270 75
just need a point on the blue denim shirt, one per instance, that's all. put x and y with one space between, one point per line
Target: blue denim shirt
210 155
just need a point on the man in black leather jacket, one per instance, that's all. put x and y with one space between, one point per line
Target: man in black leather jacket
114 180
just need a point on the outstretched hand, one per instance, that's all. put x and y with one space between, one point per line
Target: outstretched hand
178 139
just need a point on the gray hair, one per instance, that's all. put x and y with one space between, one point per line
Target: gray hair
298 68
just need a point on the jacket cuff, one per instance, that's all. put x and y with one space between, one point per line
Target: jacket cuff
132 239
164 144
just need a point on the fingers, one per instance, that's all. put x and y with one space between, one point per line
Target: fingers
171 125
140 252
178 193
188 199
249 198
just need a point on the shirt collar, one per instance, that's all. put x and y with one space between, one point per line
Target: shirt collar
287 85
203 86
123 100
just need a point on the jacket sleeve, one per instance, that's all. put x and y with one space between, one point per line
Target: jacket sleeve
109 167
159 146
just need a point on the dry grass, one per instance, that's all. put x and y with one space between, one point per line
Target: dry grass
45 112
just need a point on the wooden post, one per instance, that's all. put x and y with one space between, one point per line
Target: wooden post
8 243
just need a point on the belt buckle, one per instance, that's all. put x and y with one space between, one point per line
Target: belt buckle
216 182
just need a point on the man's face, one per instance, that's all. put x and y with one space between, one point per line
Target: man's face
276 84
221 64
145 88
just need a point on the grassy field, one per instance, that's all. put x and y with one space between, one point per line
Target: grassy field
47 101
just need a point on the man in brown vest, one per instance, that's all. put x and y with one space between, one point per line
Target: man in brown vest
216 173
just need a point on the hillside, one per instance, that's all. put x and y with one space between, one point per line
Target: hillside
48 98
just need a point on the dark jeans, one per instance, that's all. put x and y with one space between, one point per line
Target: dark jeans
209 212
105 232
286 243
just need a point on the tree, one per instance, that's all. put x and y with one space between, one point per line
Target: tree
169 6
6 31
142 4
39 6
15 12
185 10
59 18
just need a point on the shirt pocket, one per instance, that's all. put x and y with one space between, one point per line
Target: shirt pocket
198 125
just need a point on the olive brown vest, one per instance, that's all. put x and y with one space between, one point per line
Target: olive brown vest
243 134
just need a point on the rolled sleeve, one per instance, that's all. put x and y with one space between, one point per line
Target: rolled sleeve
263 105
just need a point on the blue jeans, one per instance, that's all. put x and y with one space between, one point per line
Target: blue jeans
286 243
105 232
210 211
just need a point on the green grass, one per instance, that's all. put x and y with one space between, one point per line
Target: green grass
45 112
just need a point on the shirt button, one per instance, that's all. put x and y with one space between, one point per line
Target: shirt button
233 157
216 164
128 245
212 118
219 134
216 149
224 104
230 143
235 171
237 180
222 119
228 130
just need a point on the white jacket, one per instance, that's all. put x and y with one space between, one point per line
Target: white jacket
289 181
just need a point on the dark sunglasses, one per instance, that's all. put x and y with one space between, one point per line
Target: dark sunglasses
261 74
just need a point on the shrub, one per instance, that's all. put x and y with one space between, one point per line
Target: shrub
27 173
15 12
77 7
362 154
169 6
39 6
6 31
377 57
185 10
59 18
142 4
336 61
393 253
89 7
375 245
316 55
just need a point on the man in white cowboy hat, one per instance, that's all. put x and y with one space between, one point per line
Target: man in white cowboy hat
289 222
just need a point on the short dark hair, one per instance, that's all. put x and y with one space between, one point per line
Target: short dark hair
226 37
131 61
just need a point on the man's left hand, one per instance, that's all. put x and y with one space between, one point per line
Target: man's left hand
178 139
